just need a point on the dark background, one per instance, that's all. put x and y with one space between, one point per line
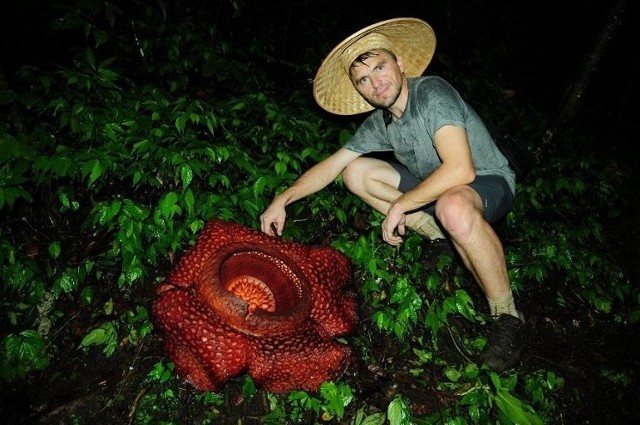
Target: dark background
535 47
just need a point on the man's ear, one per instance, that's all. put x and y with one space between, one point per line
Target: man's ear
400 64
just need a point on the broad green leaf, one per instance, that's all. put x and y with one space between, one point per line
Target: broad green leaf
281 168
452 374
181 123
186 175
87 295
189 201
167 202
259 185
106 335
110 133
398 412
96 171
68 282
515 410
54 249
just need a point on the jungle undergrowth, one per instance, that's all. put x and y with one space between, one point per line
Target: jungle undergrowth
110 164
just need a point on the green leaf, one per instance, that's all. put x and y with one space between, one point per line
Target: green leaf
452 374
495 380
87 295
134 211
142 146
471 371
373 419
259 185
337 397
110 133
106 212
22 353
281 168
54 249
189 201
344 136
106 334
101 37
249 387
341 215
133 273
186 175
196 226
90 58
137 176
181 123
68 282
159 372
398 412
515 410
167 204
96 171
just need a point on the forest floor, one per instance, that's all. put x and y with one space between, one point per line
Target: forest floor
572 342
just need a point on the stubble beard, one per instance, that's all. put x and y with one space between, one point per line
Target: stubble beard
388 103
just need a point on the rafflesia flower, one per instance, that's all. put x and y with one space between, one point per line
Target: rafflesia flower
240 301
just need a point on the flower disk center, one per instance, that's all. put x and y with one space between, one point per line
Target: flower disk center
254 291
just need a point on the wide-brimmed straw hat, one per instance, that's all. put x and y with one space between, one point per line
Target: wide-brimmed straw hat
411 39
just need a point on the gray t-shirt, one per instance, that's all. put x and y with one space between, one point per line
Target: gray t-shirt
433 103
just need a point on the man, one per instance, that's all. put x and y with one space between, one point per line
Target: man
447 163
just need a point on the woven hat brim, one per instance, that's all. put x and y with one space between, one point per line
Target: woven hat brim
411 39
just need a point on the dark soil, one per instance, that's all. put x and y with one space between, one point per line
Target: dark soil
572 342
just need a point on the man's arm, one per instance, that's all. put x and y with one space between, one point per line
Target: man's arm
457 169
316 178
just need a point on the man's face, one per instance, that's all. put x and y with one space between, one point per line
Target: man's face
379 79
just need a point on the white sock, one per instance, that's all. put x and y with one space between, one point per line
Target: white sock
427 227
503 305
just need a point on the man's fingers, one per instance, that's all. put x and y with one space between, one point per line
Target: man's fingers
394 240
390 238
272 222
265 226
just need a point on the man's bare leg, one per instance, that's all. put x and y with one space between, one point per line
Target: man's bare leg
460 213
375 182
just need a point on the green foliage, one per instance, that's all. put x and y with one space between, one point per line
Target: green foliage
399 412
361 418
106 335
160 372
163 400
21 354
157 122
129 158
486 396
335 398
570 247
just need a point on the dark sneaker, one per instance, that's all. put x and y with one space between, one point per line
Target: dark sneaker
505 343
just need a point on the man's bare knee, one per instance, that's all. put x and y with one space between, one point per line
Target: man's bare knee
354 175
456 210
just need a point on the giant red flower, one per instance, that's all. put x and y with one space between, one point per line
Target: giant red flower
242 301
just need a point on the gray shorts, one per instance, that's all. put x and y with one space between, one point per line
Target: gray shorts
493 190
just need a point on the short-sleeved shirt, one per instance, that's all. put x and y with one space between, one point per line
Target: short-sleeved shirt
432 104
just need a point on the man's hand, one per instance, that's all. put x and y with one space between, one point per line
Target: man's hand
395 220
272 219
